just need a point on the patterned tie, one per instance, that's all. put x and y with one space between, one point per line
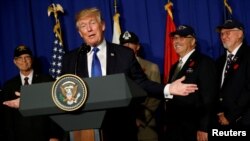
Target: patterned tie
229 62
26 82
177 70
96 65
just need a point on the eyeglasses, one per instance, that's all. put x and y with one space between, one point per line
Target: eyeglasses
180 38
26 58
228 32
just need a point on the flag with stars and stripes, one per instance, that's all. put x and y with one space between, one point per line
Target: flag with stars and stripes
56 60
58 49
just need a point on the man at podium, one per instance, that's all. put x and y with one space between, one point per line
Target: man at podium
98 57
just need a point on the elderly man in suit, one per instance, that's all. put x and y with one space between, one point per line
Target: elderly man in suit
234 96
188 118
16 126
104 58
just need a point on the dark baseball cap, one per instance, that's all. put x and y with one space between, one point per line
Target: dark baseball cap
128 37
183 30
22 49
230 24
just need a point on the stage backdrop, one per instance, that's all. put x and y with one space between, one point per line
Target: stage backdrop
26 22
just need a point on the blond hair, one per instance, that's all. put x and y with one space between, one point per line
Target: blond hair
86 13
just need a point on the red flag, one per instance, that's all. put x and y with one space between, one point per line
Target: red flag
170 56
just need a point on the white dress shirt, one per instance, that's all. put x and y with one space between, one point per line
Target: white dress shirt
30 76
102 55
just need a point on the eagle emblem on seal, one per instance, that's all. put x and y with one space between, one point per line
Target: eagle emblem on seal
69 92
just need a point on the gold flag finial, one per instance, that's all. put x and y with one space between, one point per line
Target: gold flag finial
168 9
55 8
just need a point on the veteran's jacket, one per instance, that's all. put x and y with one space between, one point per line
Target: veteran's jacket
195 109
234 95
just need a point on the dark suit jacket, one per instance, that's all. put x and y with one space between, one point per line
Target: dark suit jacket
234 95
19 128
193 112
119 124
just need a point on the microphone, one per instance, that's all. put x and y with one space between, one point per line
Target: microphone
84 48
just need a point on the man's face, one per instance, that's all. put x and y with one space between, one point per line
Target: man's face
231 38
183 45
23 62
91 30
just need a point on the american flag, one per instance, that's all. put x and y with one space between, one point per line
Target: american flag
57 55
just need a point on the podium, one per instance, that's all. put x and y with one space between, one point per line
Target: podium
104 93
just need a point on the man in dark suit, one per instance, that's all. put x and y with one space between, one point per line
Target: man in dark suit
17 127
234 74
119 124
188 118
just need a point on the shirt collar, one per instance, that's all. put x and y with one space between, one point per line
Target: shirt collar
235 50
29 76
184 59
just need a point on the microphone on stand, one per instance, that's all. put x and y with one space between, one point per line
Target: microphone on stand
83 49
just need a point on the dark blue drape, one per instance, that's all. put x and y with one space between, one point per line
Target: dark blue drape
26 22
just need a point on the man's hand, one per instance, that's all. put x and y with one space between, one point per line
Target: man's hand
181 89
15 103
222 119
202 136
53 139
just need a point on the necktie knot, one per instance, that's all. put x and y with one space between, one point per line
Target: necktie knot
26 81
95 50
230 57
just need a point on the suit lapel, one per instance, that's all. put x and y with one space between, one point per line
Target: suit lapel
82 69
189 64
111 61
235 63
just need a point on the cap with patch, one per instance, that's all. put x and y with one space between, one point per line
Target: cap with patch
230 24
20 50
128 37
183 30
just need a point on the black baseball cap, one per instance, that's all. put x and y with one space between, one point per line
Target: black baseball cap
230 24
183 30
128 37
22 49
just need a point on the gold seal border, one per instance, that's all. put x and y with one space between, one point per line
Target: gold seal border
85 92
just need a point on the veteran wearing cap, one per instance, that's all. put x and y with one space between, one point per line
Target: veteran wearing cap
146 122
17 127
196 107
234 75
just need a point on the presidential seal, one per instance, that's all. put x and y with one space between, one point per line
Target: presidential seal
69 92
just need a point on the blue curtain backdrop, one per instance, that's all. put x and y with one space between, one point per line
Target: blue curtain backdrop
26 22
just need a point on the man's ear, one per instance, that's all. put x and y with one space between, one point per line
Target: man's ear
14 61
103 26
193 41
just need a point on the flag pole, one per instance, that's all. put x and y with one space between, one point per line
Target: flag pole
115 6
227 11
116 25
